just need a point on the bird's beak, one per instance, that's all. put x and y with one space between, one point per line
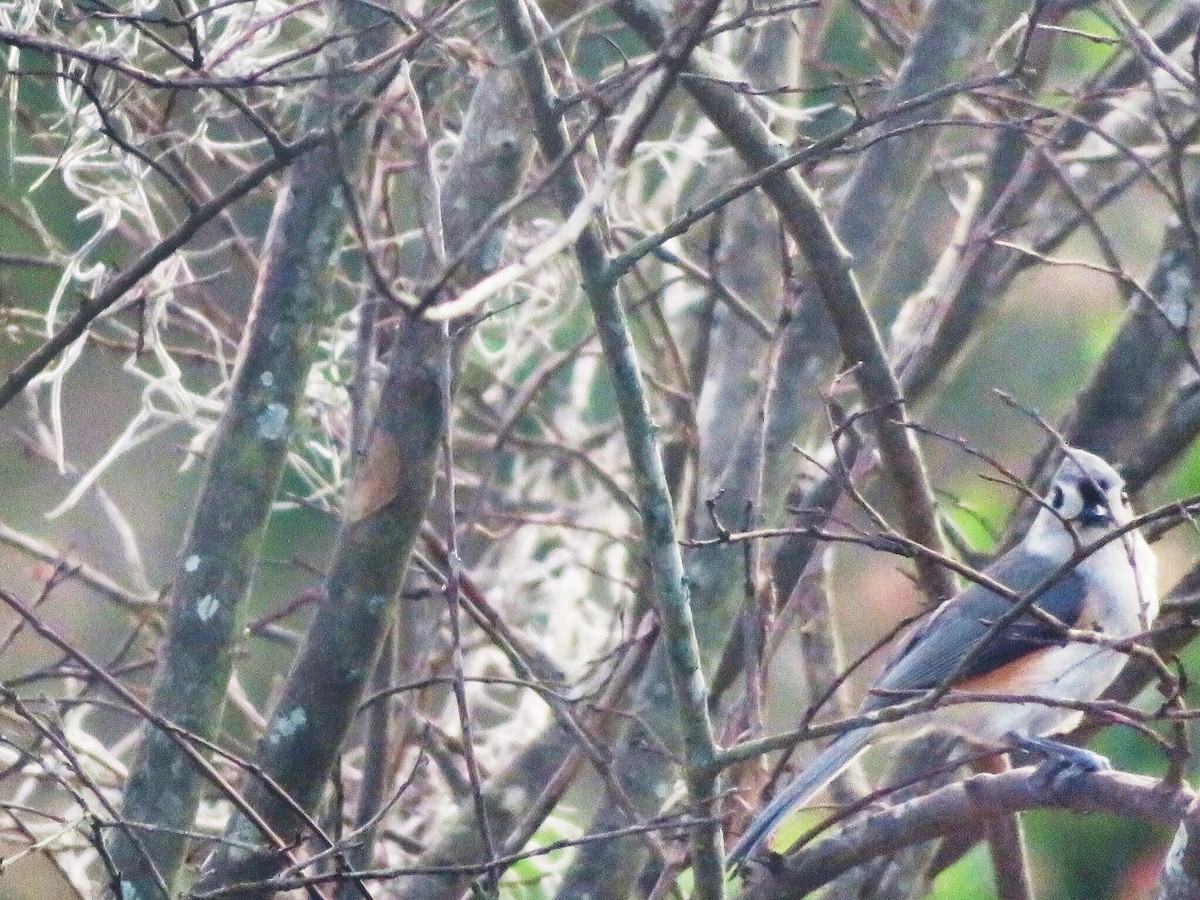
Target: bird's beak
1095 513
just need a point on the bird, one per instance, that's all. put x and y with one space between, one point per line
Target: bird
1112 591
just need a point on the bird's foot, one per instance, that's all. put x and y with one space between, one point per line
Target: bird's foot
1060 762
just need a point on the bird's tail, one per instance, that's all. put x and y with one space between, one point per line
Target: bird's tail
822 770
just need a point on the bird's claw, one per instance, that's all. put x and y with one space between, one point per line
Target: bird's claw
1061 763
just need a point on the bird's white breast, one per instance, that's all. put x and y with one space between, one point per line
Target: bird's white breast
1121 602
1122 583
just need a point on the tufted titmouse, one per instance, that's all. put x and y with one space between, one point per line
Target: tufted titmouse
1112 591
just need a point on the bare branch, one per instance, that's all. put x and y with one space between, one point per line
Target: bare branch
981 797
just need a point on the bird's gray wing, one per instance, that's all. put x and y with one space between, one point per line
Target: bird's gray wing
934 651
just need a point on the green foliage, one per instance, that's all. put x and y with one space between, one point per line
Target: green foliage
537 877
1185 480
1087 857
971 877
1078 55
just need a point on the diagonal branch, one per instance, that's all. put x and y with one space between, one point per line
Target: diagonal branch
671 593
249 450
79 323
387 503
982 798
832 273
388 498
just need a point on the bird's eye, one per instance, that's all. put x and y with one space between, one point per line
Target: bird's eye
1057 501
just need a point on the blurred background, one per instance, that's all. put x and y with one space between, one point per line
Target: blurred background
102 456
